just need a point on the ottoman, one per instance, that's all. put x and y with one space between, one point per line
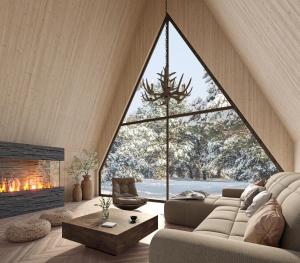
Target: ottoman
28 231
56 217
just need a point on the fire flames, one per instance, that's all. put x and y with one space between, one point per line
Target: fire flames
15 185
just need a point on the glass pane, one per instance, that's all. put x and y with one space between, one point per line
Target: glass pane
204 94
213 151
138 151
23 175
139 109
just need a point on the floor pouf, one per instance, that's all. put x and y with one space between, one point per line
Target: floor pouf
56 217
28 231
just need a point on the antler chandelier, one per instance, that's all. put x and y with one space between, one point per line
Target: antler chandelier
170 89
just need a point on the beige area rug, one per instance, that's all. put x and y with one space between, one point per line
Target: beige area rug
54 249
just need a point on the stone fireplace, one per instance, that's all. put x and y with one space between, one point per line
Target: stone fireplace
29 178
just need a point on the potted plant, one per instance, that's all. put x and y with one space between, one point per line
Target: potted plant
88 163
75 171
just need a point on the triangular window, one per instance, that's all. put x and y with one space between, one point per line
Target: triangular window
201 143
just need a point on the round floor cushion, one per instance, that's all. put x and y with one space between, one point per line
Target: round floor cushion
28 231
56 217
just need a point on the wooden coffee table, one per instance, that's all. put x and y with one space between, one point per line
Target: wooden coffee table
87 230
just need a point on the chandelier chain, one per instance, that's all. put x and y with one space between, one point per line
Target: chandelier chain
170 88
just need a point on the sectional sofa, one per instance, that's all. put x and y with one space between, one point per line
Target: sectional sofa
220 225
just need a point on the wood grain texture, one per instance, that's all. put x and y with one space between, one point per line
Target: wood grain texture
87 230
58 65
206 36
145 34
267 36
62 61
55 249
297 157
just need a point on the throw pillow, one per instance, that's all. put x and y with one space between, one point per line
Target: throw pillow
258 201
126 195
249 198
248 189
124 188
266 226
116 187
261 182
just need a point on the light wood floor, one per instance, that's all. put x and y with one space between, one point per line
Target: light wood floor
54 249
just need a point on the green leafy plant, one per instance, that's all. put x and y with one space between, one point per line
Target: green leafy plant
105 203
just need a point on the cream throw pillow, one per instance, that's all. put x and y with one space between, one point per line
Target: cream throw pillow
258 201
266 226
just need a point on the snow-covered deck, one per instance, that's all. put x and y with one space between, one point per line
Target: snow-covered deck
156 189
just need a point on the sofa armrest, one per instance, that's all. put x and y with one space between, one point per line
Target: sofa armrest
175 246
232 192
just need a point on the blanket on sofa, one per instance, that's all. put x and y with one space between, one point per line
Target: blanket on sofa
191 195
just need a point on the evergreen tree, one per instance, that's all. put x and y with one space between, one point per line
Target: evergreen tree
202 146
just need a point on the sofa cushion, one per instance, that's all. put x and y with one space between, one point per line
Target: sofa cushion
124 188
189 212
228 201
265 227
131 200
225 222
285 187
218 225
192 212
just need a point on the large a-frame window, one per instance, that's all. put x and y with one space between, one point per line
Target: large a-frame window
210 144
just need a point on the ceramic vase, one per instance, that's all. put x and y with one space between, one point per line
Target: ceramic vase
77 193
86 186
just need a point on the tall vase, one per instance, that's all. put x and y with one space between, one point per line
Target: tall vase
77 193
86 186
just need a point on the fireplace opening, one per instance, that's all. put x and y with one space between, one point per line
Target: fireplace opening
27 175
29 178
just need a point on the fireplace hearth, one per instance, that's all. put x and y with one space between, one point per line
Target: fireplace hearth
29 178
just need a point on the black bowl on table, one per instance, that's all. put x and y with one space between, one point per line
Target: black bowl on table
133 219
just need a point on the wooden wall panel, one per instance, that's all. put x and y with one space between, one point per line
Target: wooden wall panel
267 36
58 64
68 68
203 32
145 35
297 157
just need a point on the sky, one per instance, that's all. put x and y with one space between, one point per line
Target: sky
182 60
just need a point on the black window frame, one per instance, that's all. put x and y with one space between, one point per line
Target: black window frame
232 106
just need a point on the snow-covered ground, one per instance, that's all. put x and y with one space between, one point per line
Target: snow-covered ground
156 189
